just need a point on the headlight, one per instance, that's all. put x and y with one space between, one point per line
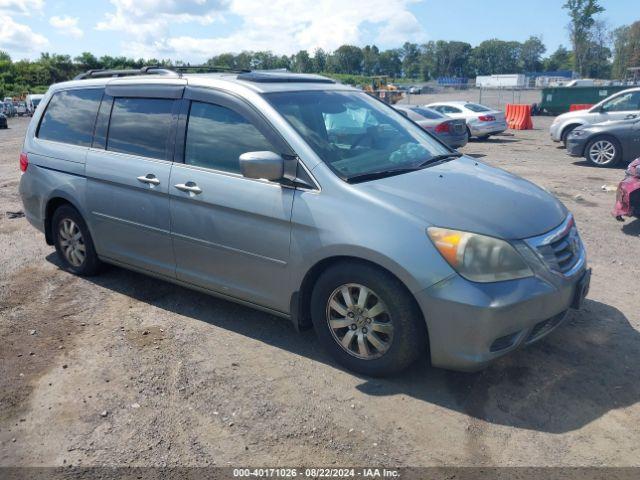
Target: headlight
477 257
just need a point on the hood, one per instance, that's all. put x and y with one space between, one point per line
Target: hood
465 194
569 115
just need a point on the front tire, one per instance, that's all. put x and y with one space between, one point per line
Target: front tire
565 134
73 242
603 152
366 319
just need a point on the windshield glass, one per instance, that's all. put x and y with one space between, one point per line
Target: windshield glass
355 134
474 107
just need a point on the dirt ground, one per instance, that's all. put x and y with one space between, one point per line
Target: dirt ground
122 369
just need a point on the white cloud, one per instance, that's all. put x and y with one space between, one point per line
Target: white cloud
21 7
282 26
66 25
18 38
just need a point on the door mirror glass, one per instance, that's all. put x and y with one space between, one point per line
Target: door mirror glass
267 165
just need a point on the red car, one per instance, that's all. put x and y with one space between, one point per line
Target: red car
628 196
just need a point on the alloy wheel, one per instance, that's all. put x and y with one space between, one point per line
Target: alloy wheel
359 321
602 152
71 242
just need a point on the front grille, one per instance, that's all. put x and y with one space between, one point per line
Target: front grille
560 249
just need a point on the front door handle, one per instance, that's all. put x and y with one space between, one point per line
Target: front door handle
149 178
190 187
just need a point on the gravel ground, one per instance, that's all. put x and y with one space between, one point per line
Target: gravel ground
122 369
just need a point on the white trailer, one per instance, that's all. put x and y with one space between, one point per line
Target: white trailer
511 80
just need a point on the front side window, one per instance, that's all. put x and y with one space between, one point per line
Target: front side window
355 134
217 136
70 117
140 126
623 103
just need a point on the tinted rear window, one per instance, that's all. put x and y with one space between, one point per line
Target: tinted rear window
428 113
140 126
474 107
70 117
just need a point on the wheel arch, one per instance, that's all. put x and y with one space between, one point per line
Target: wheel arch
52 204
301 299
566 128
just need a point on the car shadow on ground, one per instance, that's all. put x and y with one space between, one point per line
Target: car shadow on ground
632 227
586 368
493 140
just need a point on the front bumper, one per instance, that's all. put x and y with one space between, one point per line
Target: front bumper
471 324
554 132
575 146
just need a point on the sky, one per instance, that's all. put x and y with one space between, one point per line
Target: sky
195 30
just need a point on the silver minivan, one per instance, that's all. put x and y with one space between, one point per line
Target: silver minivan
307 199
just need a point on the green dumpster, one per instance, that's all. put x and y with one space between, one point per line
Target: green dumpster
557 100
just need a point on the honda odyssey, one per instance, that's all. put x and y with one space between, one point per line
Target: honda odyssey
307 199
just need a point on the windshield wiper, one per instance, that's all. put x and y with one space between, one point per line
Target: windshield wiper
441 158
363 177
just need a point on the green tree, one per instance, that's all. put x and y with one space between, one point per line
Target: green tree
410 59
348 59
302 62
582 14
320 60
561 59
531 54
390 63
626 49
370 60
496 56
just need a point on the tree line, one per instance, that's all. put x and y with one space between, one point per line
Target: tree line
595 53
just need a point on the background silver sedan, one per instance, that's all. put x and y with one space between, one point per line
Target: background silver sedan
482 121
451 131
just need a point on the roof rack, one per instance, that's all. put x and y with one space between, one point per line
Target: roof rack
156 70
105 73
280 77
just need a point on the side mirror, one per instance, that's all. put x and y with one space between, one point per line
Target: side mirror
267 165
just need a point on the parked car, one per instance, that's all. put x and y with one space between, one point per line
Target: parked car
307 199
628 194
451 131
482 122
7 108
21 108
619 106
3 121
606 144
32 102
414 90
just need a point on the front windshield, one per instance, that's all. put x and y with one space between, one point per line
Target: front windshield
356 134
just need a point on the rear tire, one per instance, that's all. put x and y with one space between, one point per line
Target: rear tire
382 332
73 242
603 152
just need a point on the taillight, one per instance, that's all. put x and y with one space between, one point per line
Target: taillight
442 128
24 162
486 118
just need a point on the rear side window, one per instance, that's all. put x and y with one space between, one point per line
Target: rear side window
140 126
474 107
70 117
428 113
217 136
